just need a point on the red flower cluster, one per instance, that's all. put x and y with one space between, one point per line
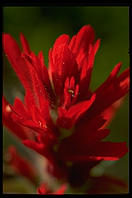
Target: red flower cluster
61 118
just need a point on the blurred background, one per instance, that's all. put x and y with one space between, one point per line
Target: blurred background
41 26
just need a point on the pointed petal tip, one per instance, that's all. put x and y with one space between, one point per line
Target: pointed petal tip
93 97
10 47
99 42
86 29
116 70
21 34
24 43
119 65
22 37
7 37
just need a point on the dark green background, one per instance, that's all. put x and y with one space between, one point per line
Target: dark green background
42 25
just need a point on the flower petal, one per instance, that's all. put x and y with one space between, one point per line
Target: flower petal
113 89
86 70
14 56
38 147
25 44
64 65
109 113
14 127
84 37
68 118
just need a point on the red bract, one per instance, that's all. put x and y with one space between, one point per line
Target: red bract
61 118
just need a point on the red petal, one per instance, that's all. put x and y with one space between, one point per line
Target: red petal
109 113
84 37
38 147
87 125
109 92
20 108
62 64
78 109
88 132
86 70
14 127
71 92
108 151
41 58
38 88
109 80
25 44
98 135
61 40
46 79
14 56
115 71
25 69
72 43
68 118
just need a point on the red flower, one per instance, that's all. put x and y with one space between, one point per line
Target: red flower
61 117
